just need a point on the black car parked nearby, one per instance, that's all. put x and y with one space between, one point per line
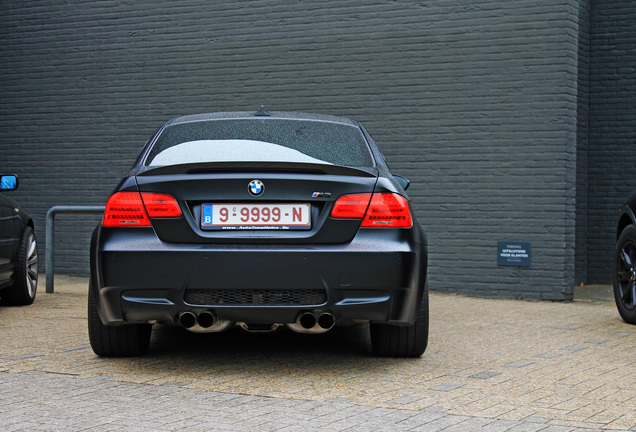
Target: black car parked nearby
259 220
625 262
18 249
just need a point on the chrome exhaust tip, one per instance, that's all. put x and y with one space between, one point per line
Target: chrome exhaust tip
307 320
206 320
187 319
326 321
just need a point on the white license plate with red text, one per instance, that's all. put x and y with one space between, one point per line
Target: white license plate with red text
256 216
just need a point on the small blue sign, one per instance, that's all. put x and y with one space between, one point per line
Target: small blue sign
513 253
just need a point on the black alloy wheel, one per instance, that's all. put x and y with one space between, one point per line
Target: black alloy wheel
25 287
625 274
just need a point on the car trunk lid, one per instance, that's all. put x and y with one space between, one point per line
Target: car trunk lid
223 204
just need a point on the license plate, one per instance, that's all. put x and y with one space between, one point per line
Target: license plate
255 216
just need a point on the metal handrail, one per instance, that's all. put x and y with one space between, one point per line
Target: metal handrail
50 217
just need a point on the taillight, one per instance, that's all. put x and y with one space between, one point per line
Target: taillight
160 206
388 210
125 209
351 206
378 210
132 209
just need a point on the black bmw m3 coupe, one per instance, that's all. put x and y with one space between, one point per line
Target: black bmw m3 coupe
259 220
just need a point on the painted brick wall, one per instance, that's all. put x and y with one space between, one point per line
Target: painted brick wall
612 127
474 101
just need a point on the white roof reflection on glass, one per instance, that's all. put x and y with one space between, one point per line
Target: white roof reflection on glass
232 150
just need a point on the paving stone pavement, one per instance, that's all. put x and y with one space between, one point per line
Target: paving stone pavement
491 365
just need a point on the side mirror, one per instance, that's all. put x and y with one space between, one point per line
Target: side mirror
8 182
403 181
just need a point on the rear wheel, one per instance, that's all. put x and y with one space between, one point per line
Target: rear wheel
394 341
126 340
625 274
26 273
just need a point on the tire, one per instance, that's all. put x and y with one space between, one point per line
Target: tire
127 340
394 341
25 284
625 274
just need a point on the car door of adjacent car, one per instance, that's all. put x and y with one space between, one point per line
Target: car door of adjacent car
9 233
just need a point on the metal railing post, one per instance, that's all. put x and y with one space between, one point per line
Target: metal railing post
50 219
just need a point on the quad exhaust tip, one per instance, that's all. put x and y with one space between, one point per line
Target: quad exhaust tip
207 322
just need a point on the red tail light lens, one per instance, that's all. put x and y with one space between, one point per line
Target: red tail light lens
388 210
161 206
378 210
125 209
132 209
351 206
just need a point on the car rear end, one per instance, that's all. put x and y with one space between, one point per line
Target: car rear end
258 235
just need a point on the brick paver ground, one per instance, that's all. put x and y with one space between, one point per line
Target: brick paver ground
492 365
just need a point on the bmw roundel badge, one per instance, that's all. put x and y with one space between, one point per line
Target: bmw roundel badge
256 188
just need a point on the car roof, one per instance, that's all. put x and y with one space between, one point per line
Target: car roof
240 115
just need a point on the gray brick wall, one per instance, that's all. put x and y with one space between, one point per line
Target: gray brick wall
612 127
475 101
582 146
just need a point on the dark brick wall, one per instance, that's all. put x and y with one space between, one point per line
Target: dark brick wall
475 101
582 146
612 127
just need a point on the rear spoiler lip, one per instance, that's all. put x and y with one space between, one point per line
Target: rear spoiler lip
255 167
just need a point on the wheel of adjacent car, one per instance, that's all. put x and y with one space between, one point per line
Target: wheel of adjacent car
25 286
625 274
126 340
394 341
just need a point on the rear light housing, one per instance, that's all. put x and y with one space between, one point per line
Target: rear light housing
160 206
132 209
388 210
378 210
351 206
125 209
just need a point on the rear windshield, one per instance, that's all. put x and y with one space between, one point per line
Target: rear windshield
271 140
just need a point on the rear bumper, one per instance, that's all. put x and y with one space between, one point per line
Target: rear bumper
378 277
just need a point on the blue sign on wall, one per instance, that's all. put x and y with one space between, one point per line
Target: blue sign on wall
513 253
